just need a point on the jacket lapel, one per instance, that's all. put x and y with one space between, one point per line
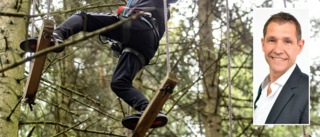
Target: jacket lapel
284 96
265 82
258 97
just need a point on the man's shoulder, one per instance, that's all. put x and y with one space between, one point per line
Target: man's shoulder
298 80
303 77
303 82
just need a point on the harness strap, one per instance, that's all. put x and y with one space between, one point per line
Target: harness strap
121 8
140 56
153 26
125 29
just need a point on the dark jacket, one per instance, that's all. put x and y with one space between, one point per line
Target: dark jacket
292 104
158 13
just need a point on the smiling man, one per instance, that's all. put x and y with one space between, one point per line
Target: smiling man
283 96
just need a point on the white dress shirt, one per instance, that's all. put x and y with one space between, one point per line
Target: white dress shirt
265 102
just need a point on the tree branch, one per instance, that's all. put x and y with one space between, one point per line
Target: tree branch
66 126
15 107
87 105
31 131
70 128
59 106
16 15
57 12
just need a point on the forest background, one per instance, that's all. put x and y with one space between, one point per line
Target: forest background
75 99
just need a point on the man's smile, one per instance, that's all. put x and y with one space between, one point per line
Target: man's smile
279 59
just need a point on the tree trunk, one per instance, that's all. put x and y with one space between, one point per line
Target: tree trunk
12 31
212 118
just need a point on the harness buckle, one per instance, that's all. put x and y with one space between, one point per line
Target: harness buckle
116 48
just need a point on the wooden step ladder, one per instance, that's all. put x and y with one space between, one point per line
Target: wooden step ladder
37 64
156 104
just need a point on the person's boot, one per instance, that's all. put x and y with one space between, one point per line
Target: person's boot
131 121
30 45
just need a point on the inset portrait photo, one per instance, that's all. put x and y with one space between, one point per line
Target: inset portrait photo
281 66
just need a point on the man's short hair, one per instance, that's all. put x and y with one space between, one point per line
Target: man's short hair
282 18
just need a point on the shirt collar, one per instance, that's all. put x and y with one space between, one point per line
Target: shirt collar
282 80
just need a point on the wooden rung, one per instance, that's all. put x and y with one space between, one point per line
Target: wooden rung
154 107
37 64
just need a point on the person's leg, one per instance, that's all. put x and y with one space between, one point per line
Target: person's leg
80 21
128 66
88 22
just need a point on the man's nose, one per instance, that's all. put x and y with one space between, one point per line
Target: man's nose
278 47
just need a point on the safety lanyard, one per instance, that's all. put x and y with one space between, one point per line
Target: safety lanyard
128 5
121 8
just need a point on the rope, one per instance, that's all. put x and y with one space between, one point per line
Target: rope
128 113
128 5
229 78
165 12
48 13
285 3
32 20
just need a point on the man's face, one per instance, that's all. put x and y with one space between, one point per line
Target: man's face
280 46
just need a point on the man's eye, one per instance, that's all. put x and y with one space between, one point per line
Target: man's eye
288 42
271 40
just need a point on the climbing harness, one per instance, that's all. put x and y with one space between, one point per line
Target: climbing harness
117 47
124 8
140 56
229 74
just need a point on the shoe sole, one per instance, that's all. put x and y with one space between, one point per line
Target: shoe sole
30 45
131 122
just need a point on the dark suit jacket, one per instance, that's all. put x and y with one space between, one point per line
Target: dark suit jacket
292 104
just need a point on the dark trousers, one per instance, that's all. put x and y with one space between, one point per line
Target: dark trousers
141 38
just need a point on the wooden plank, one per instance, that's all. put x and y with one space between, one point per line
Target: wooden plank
154 107
37 64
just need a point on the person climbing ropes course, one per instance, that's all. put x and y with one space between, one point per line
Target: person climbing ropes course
139 40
